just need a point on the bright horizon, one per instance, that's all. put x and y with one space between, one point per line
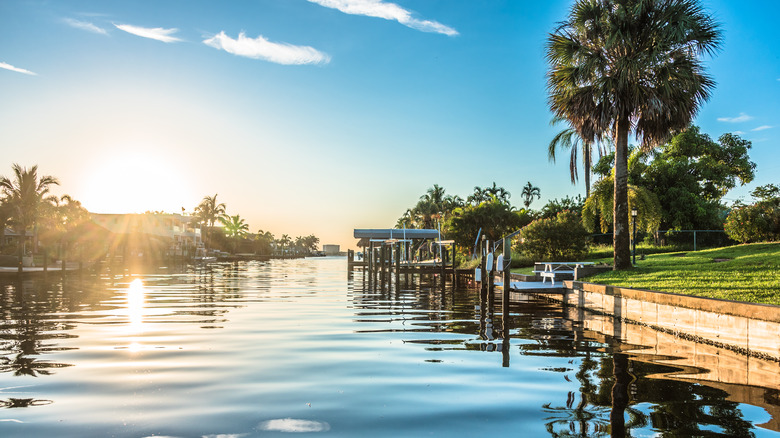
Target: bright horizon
318 117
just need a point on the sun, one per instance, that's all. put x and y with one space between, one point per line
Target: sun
135 181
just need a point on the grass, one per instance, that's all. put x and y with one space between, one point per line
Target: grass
749 273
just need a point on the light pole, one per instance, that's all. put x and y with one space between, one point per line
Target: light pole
634 212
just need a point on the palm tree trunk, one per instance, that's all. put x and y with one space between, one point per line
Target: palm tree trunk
588 164
619 395
621 236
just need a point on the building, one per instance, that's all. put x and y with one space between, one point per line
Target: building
176 232
331 250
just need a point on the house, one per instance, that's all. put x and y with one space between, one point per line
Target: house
179 234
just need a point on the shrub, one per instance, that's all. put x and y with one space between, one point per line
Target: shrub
753 223
560 238
758 222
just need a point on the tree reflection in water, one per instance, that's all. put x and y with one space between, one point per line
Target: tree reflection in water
618 395
27 326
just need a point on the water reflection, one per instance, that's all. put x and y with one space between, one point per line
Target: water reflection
136 294
622 388
253 348
27 332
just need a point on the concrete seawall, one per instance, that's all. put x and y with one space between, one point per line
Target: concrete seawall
747 379
752 329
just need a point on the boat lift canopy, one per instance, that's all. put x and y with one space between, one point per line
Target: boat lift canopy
367 235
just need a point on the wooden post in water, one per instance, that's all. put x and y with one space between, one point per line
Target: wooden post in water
454 267
507 259
368 256
397 264
489 268
482 272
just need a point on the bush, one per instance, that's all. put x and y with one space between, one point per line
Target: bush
560 238
753 223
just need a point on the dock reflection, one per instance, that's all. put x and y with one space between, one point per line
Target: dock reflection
629 376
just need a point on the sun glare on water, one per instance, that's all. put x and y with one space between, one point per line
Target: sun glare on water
135 182
136 295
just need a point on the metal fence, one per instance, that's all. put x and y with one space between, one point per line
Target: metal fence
708 238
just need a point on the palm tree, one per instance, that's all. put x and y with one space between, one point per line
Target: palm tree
209 211
569 139
529 191
235 228
481 195
265 240
25 195
284 241
622 66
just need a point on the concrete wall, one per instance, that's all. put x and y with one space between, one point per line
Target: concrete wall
747 379
749 328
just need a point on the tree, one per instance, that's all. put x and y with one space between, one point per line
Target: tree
757 222
264 242
598 207
61 222
432 207
569 139
495 218
284 241
209 211
560 238
555 206
235 228
25 194
691 174
529 191
481 195
622 66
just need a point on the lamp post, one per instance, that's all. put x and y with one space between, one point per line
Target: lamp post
634 212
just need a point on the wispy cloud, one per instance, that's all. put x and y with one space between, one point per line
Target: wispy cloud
388 11
155 33
738 132
742 117
261 48
761 128
17 69
84 25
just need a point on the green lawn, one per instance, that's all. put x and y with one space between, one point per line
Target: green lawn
744 273
748 273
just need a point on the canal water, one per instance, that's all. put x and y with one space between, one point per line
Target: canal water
299 346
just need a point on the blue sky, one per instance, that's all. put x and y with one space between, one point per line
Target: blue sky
319 116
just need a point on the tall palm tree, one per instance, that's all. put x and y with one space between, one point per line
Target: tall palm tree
529 192
25 194
623 66
209 211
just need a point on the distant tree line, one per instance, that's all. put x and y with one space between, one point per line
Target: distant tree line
233 235
61 228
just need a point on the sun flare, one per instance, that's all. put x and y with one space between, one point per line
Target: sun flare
135 181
